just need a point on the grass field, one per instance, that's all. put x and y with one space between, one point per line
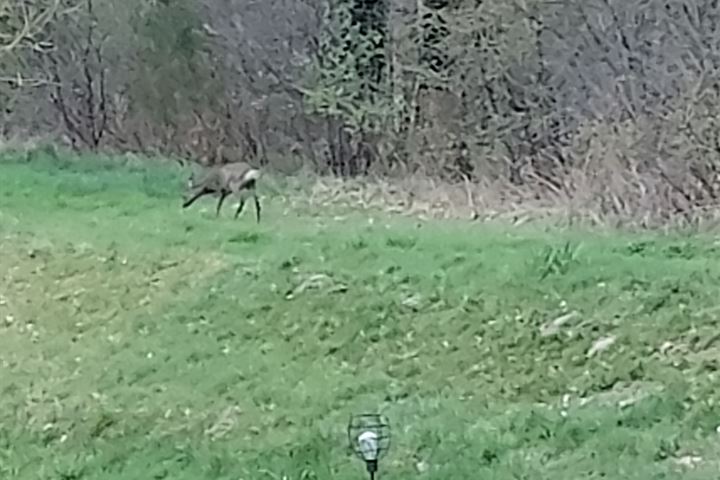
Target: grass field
142 341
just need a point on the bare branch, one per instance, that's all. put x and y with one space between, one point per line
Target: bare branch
22 20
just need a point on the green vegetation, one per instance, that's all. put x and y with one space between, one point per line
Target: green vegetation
138 340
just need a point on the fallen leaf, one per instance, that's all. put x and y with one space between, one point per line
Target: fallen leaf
601 345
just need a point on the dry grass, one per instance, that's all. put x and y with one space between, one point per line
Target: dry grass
646 174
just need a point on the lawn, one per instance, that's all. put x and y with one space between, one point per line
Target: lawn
139 340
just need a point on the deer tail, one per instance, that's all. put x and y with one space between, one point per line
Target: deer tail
252 174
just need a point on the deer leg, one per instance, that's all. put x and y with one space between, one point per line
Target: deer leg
257 205
240 206
223 195
192 199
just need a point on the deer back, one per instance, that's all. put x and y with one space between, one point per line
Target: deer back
239 175
208 178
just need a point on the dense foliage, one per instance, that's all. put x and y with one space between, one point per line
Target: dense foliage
603 107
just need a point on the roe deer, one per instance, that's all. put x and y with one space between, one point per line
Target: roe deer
223 180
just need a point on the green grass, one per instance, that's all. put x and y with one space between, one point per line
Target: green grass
140 340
